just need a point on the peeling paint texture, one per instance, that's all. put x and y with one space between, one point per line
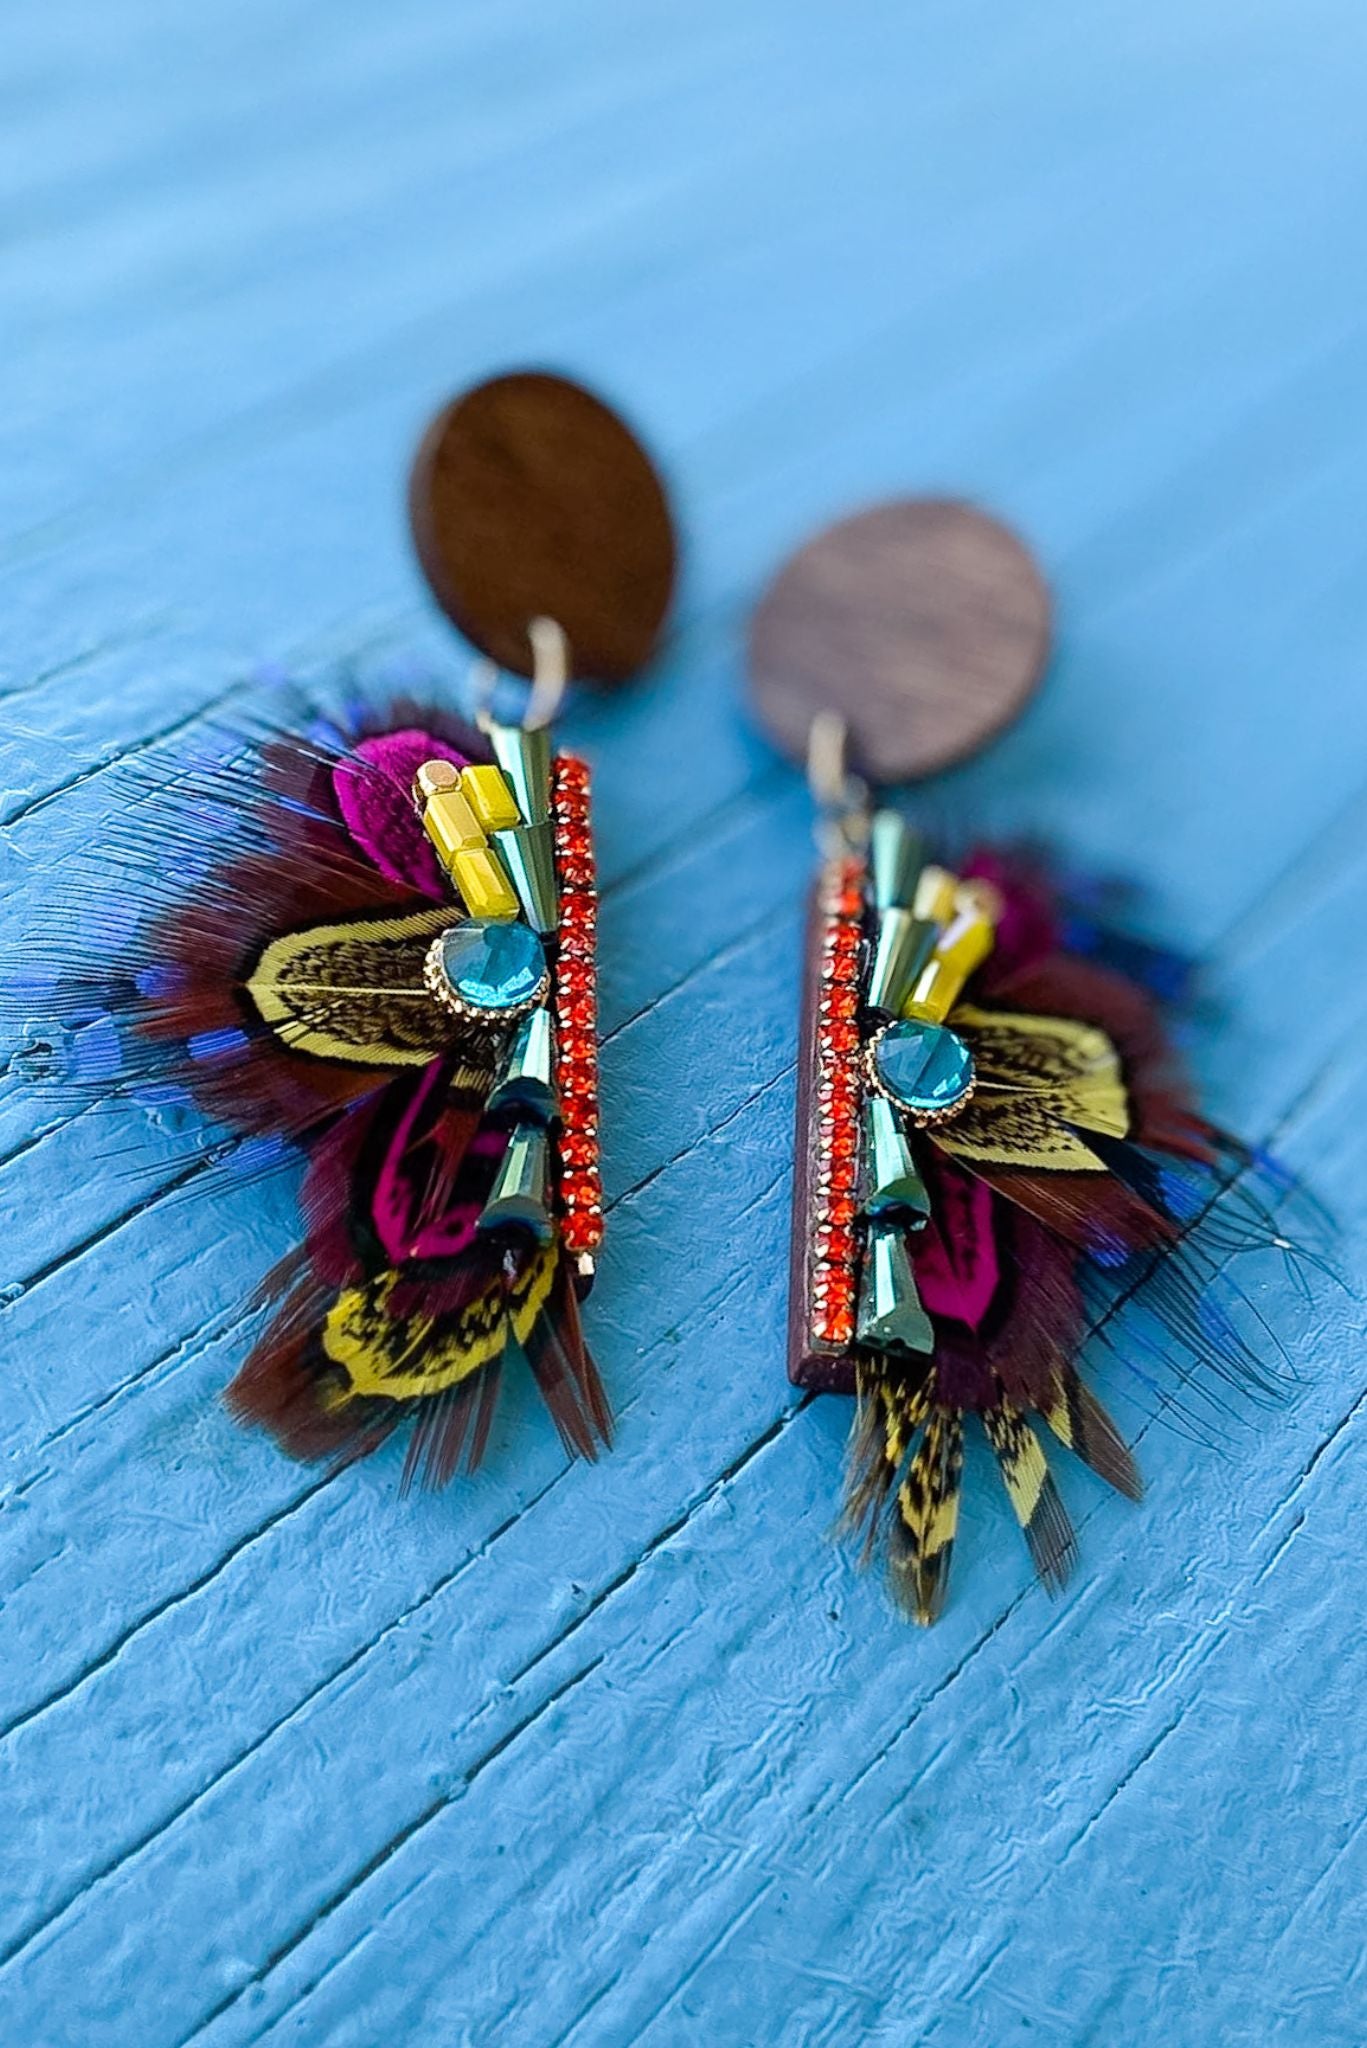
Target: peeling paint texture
632 1757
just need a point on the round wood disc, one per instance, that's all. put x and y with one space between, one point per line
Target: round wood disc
924 622
530 498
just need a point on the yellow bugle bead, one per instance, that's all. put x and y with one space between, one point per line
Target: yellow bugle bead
961 950
486 790
935 889
451 825
485 889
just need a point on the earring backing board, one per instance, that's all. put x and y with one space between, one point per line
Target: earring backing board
925 623
530 498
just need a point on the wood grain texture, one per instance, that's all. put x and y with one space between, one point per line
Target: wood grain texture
923 622
531 499
633 1755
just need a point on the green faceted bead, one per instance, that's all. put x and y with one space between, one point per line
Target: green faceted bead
526 852
905 943
520 1196
891 1317
526 1083
893 1187
896 857
525 758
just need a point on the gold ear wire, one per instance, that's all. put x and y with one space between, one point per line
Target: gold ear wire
841 798
550 678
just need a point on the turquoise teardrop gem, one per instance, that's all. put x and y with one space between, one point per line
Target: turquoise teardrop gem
493 965
925 1068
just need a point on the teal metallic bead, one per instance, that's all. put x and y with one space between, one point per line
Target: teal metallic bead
892 1186
526 1082
896 857
926 1069
891 1317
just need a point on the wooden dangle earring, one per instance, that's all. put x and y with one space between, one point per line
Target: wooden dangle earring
995 1148
369 941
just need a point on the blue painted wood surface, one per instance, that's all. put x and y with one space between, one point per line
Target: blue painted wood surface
631 1755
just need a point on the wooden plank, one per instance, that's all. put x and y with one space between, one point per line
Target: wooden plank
632 1754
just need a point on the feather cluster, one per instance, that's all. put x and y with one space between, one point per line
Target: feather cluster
1045 1165
255 938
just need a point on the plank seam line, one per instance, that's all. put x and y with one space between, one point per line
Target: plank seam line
371 1643
662 1538
73 1254
739 942
163 1607
190 1346
737 1110
604 1990
736 1465
120 757
1312 1890
301 1500
390 1849
50 1916
665 1535
700 1961
1127 1778
1325 1446
148 626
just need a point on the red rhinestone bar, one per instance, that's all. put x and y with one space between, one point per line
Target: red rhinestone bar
833 1141
576 1007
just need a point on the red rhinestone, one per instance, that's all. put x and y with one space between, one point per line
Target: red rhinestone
841 1142
841 1212
582 1233
834 1242
579 1113
836 1326
574 978
576 1013
831 1298
837 1035
582 1194
578 1149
